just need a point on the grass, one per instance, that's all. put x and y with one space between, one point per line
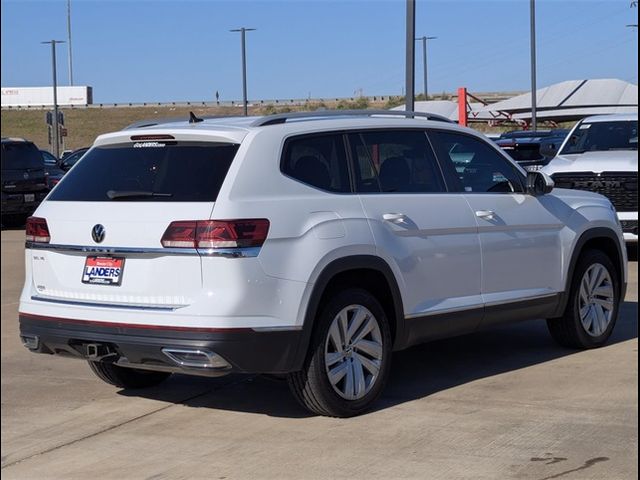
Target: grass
85 124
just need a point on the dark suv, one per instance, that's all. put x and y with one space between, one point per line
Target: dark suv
532 149
23 178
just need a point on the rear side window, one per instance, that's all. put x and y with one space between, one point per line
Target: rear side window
394 161
317 160
21 156
147 172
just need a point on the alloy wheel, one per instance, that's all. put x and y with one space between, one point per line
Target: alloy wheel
353 352
596 300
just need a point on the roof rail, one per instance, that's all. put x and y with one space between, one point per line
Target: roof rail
319 114
284 117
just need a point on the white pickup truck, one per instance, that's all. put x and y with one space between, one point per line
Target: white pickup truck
600 154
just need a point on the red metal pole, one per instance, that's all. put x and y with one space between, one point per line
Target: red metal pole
462 106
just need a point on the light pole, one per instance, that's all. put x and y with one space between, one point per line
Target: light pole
634 25
55 135
69 42
410 56
534 93
243 31
424 62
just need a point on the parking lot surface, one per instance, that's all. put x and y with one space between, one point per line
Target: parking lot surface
504 403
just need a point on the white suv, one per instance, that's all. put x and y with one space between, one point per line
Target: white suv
308 245
600 155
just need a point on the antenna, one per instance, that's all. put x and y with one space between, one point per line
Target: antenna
194 119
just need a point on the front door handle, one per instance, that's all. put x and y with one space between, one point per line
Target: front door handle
394 217
489 214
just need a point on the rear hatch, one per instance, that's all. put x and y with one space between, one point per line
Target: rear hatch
23 173
109 214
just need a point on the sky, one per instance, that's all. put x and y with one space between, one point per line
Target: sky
182 50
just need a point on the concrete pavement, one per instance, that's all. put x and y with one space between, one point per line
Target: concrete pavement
505 403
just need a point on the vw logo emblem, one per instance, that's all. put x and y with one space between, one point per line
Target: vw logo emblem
25 175
97 233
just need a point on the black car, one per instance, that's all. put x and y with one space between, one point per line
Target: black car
532 149
72 158
52 170
23 178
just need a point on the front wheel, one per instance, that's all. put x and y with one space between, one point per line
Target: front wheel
592 307
349 358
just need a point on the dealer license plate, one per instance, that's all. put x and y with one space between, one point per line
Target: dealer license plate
103 270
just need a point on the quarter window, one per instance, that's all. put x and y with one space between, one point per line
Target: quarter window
478 166
394 161
318 160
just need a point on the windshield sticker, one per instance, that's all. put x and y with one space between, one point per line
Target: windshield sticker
149 145
584 126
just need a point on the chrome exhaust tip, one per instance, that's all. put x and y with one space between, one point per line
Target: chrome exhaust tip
196 358
32 342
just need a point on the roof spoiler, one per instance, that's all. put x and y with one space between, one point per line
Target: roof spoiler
152 122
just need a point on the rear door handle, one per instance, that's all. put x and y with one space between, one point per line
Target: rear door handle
394 217
485 214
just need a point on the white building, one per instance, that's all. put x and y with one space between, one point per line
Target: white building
43 96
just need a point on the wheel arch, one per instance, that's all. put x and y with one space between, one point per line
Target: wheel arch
366 271
605 240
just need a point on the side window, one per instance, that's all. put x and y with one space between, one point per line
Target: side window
477 165
317 160
394 161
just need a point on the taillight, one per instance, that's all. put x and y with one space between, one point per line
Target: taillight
211 234
180 235
37 230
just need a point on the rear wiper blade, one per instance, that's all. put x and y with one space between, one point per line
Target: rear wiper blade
118 194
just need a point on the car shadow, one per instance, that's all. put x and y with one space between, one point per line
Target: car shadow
416 372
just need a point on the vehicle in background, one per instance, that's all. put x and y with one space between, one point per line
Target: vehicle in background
601 155
53 172
69 160
493 136
23 178
532 149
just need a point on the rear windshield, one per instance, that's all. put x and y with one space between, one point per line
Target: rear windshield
21 156
524 152
148 172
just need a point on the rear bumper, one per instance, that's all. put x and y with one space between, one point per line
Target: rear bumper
10 208
14 204
629 222
244 350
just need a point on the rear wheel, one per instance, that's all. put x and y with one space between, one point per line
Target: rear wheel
349 358
126 377
592 308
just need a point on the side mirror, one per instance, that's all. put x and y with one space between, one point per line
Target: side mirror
549 149
539 183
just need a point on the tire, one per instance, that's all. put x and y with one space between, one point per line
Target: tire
593 328
126 377
355 386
